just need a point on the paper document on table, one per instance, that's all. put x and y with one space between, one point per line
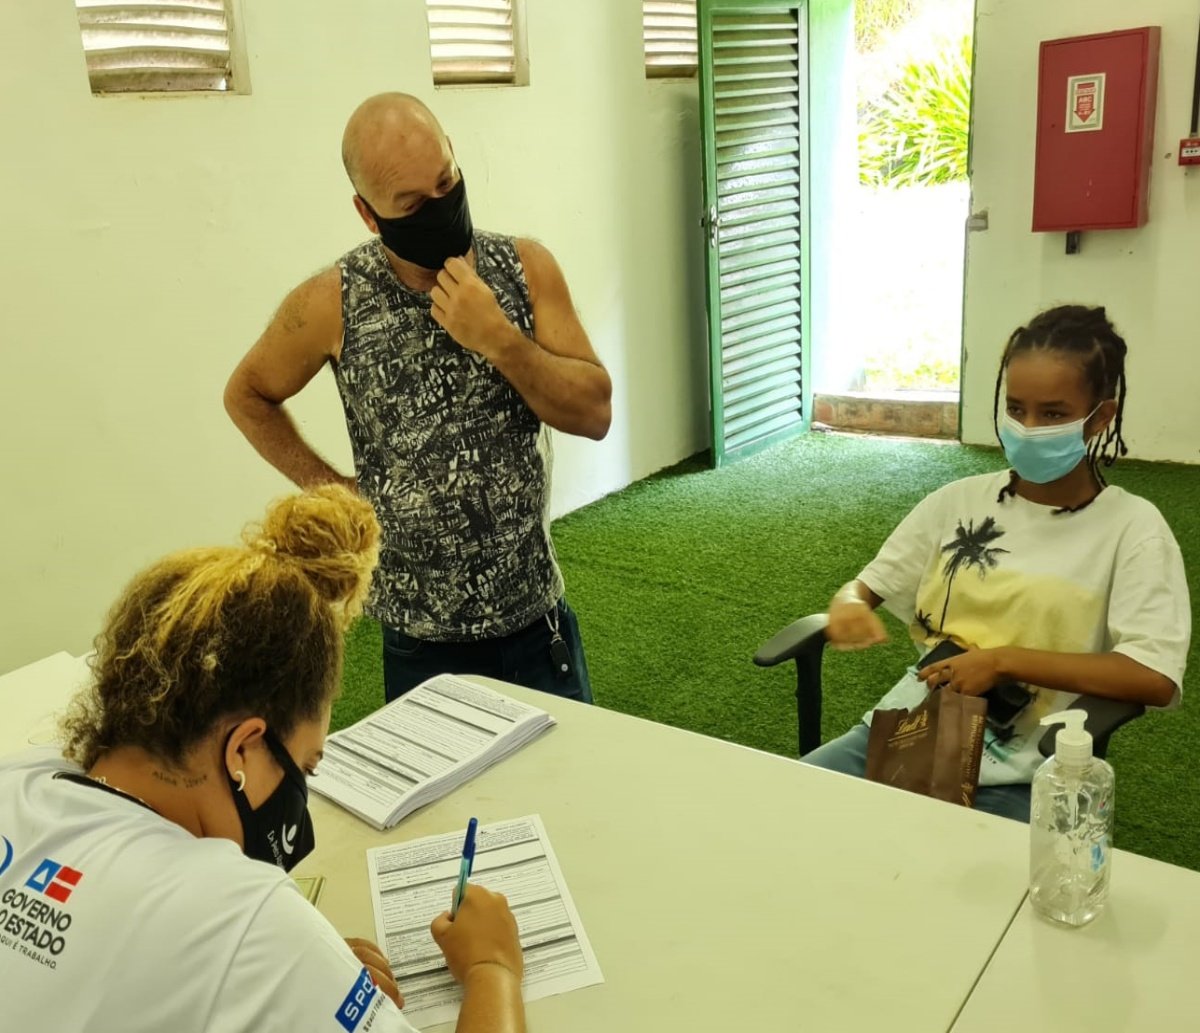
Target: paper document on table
412 883
311 887
419 747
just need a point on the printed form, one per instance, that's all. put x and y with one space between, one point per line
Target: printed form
412 883
421 746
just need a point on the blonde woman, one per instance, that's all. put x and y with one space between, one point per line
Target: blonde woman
143 875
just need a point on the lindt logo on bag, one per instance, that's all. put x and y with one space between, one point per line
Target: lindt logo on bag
916 723
935 748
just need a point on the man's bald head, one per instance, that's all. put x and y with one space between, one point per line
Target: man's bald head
391 142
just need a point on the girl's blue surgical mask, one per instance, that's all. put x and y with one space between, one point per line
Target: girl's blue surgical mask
1044 454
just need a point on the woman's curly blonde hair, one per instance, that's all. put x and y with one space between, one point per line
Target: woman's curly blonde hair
249 630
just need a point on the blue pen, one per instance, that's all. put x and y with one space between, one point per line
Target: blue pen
464 871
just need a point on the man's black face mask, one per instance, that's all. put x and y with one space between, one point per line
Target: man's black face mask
440 229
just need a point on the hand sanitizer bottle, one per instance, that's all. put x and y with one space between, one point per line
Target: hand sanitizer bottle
1070 826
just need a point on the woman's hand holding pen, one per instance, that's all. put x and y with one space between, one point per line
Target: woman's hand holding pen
483 932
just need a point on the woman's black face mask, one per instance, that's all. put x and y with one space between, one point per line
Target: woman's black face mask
440 229
280 830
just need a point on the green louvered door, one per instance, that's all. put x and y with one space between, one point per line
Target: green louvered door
753 103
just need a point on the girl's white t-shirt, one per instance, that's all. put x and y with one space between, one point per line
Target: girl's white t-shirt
987 573
113 918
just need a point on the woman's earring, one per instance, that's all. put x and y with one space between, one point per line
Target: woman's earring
241 780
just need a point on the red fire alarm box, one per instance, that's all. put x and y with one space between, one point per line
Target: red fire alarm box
1095 131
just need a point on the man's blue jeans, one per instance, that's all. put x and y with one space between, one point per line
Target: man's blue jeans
522 658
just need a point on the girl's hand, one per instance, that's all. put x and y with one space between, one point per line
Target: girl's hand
853 625
972 673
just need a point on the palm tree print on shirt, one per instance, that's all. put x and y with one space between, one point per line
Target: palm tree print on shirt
970 547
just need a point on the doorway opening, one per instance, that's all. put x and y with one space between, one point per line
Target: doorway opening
901 313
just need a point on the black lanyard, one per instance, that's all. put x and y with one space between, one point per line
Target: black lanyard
85 780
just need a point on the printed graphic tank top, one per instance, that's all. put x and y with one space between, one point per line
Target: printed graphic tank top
455 463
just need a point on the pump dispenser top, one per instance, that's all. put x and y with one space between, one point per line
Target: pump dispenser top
1073 743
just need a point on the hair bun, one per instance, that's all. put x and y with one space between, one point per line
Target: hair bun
330 534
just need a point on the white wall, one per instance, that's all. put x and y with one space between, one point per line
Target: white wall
147 241
1148 278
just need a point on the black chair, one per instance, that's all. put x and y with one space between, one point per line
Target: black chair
804 642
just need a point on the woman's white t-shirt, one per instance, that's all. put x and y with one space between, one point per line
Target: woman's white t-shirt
989 573
115 919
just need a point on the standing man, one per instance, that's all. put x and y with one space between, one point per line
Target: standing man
454 351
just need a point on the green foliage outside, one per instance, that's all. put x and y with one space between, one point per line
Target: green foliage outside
914 79
909 370
916 133
876 20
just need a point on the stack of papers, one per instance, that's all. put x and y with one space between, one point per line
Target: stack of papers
418 748
412 883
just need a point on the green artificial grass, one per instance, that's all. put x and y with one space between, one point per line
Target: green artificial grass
678 579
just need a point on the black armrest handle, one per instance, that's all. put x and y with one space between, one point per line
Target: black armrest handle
1104 716
788 643
804 642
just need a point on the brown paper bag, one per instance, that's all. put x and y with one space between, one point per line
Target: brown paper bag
934 749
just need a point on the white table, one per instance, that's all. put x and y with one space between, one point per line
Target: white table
31 698
1129 970
722 888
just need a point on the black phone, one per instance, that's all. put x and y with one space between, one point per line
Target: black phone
1006 701
944 650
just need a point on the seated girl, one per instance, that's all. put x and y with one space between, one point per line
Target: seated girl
1045 575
